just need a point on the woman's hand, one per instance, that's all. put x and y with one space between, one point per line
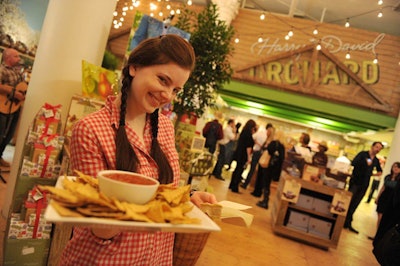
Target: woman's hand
199 197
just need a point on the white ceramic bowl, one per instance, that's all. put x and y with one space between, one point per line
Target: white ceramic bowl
140 190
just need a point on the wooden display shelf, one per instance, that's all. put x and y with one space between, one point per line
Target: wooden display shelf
280 209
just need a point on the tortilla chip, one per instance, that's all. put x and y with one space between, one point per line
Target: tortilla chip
63 211
59 193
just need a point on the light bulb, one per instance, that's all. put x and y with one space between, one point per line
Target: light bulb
115 13
260 39
262 16
380 14
287 37
237 40
161 14
290 33
189 2
375 61
315 32
348 55
380 2
347 24
318 47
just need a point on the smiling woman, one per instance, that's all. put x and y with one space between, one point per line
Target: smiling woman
129 134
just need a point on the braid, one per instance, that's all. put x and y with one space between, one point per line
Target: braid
154 125
126 81
126 158
166 174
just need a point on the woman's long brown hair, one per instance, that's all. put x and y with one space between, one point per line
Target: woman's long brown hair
153 51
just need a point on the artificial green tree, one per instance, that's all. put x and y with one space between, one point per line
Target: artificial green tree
211 39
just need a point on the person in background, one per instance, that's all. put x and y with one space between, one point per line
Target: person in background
304 140
242 154
213 132
390 219
375 182
302 150
260 138
225 148
10 77
363 165
320 158
229 158
386 192
260 178
130 134
276 150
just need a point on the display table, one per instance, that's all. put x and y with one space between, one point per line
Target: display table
314 213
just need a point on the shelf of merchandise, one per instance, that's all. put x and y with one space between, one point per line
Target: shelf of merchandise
281 209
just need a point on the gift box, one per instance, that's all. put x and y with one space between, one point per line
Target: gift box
48 120
319 228
322 206
298 221
305 201
36 170
21 230
18 229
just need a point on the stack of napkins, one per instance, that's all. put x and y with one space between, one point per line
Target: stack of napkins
228 211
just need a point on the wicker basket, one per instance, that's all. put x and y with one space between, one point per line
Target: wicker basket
188 247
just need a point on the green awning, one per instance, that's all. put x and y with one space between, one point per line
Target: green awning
304 109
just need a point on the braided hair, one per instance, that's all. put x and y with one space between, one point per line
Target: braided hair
153 51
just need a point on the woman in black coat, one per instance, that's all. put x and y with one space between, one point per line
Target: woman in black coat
390 247
242 154
276 150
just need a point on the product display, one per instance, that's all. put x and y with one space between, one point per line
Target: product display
28 231
311 217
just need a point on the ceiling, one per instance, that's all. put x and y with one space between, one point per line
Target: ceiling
362 14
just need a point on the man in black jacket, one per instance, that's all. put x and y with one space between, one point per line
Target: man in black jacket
364 163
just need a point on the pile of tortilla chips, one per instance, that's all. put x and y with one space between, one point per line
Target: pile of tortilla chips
81 198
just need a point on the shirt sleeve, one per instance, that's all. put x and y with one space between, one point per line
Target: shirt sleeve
377 165
86 155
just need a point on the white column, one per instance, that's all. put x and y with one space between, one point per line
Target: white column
72 30
394 155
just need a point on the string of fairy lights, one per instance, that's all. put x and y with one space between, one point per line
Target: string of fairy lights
314 31
157 7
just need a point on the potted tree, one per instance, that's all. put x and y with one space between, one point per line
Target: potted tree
211 40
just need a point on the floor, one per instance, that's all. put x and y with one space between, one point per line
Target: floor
258 245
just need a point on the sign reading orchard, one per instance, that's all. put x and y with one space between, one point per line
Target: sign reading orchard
283 72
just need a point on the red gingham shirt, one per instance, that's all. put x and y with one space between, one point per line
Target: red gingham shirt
93 149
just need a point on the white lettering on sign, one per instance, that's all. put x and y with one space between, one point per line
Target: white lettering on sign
331 42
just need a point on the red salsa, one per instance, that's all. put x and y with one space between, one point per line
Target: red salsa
132 179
